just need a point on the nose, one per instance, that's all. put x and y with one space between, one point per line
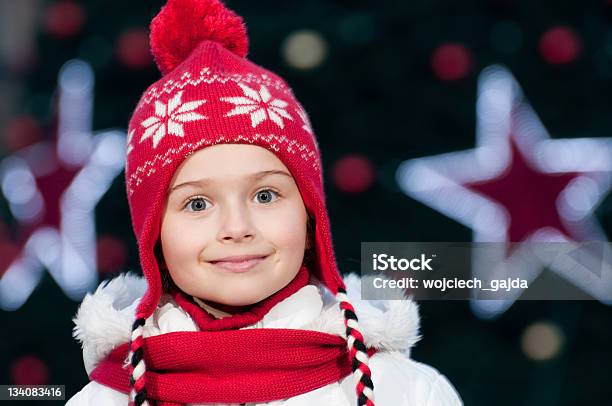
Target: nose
236 224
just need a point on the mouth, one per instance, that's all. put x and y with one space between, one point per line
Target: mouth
239 264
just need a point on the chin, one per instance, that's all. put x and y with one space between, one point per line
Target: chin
238 303
238 298
234 296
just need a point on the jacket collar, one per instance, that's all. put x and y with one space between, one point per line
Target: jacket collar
104 318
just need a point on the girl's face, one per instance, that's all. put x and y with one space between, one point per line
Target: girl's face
233 200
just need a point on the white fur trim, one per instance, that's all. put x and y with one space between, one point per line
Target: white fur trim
104 319
391 325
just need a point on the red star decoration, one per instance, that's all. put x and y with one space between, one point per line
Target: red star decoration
528 195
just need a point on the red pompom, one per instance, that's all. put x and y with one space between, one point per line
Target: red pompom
183 24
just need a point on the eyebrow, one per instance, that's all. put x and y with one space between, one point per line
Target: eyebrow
252 177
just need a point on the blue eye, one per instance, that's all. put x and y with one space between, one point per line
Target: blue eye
266 195
196 204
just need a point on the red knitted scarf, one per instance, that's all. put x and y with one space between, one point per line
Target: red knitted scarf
221 363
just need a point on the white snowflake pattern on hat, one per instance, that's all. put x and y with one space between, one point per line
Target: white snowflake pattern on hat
302 113
129 141
259 105
169 119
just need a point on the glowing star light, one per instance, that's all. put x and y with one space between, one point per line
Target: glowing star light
519 186
53 188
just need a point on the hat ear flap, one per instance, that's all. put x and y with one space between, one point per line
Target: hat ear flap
310 232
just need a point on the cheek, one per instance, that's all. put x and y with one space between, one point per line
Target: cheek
285 228
181 241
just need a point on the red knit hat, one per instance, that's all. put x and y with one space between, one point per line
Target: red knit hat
211 94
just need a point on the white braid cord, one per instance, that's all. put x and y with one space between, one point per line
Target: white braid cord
360 355
140 368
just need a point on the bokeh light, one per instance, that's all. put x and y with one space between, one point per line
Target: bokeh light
542 341
357 28
506 37
111 253
29 370
304 49
451 62
21 132
353 173
64 19
96 50
559 45
133 49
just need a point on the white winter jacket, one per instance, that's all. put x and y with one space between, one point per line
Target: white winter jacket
104 321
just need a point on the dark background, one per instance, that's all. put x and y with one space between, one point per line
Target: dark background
378 94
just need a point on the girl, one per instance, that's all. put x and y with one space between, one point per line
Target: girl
241 302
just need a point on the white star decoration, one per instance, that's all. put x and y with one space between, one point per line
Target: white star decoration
504 117
169 119
259 105
59 230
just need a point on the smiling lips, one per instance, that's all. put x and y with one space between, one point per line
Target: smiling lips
242 263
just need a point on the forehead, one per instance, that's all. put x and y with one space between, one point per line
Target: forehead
226 161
